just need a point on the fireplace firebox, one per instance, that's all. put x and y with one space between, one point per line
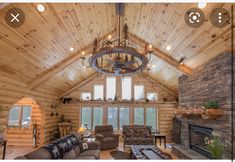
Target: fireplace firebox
197 135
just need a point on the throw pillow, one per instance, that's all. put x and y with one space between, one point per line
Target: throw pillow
73 139
54 151
83 146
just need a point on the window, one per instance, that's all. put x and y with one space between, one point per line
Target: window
151 96
112 117
86 96
123 117
97 116
98 92
139 116
86 117
126 88
110 88
26 116
151 119
139 92
19 116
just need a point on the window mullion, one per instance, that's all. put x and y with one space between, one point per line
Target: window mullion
118 118
20 116
92 118
145 116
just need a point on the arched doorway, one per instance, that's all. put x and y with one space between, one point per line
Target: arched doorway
23 116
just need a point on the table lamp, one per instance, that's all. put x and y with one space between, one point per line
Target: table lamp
81 130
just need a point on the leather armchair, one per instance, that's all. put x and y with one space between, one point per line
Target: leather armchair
107 138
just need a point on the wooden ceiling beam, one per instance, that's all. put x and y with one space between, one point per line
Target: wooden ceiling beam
160 85
63 64
162 55
87 80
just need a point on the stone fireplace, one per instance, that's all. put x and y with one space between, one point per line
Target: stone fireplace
197 136
211 81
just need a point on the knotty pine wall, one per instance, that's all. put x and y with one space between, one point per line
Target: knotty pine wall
165 110
23 136
12 91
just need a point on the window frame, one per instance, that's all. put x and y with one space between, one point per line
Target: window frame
144 114
131 115
20 117
156 99
106 87
92 115
83 93
131 87
117 117
119 121
102 99
156 116
143 92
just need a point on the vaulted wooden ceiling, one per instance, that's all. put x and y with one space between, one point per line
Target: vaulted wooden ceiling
36 53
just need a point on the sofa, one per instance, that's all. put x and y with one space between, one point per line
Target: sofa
137 135
107 138
69 147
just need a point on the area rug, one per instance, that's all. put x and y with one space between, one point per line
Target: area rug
120 154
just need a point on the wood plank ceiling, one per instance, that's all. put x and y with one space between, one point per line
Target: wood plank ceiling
45 38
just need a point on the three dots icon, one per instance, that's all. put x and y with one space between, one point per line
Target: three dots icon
220 17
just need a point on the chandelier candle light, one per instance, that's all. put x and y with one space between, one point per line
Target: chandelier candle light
118 56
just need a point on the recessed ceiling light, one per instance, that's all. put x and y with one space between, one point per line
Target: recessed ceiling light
168 48
71 49
201 4
83 52
41 8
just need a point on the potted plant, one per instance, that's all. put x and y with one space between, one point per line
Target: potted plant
215 146
212 110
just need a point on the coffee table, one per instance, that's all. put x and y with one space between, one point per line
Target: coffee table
147 152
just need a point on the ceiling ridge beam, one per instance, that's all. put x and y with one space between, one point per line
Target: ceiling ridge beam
162 55
63 64
160 85
80 84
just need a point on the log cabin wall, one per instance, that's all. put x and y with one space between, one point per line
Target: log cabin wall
23 136
165 109
12 91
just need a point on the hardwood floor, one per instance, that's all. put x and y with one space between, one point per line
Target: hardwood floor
14 151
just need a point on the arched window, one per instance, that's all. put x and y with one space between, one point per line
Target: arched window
19 116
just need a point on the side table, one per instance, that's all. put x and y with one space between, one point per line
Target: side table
3 143
160 137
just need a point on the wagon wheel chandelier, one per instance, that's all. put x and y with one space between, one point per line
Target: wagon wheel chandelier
118 56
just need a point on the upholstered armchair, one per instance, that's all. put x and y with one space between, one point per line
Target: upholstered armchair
107 138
